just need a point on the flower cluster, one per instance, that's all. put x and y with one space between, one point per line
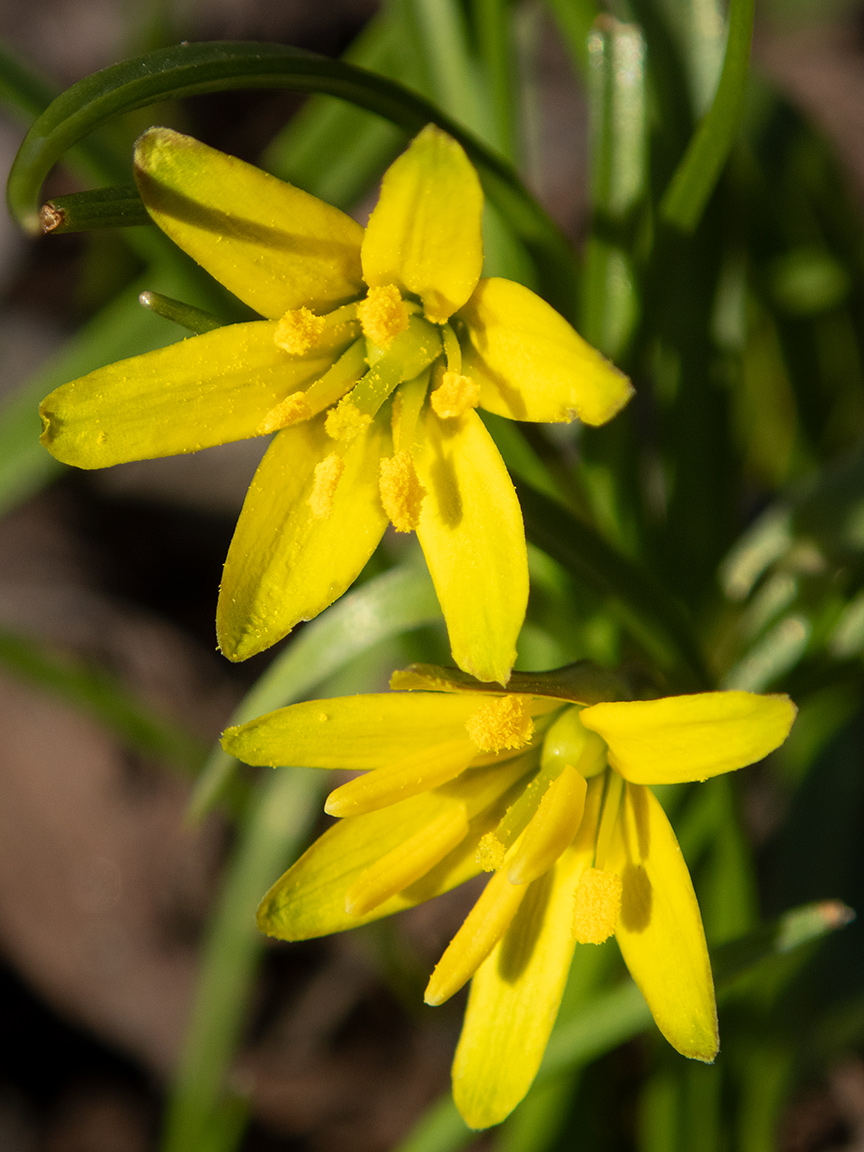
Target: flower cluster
377 348
544 786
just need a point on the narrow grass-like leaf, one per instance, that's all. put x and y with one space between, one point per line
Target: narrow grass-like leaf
654 619
283 809
91 689
699 170
196 69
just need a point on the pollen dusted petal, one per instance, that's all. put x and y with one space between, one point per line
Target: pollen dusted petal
596 906
383 315
502 723
294 409
401 491
298 331
455 395
328 473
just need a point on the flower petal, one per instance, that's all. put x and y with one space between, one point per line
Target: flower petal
660 929
690 737
271 244
514 999
353 731
424 234
309 899
201 391
472 536
286 563
531 364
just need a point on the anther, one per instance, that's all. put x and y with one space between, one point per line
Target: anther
383 315
298 331
346 420
454 396
292 410
502 723
490 853
401 491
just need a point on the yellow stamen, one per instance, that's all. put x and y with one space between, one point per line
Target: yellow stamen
596 905
407 862
502 723
455 395
490 853
383 315
292 410
327 476
419 772
298 331
551 828
401 491
346 420
483 927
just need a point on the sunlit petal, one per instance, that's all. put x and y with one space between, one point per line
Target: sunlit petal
514 999
271 244
205 390
690 737
472 536
660 929
287 562
353 731
531 364
309 899
424 234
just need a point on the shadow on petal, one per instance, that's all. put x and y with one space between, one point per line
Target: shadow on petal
637 898
522 936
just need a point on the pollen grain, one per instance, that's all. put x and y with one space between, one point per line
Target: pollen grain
502 723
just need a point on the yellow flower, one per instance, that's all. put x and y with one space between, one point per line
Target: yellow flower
544 786
377 348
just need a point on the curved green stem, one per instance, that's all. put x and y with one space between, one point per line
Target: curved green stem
195 69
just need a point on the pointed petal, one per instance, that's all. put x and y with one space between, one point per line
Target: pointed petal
309 899
408 862
201 391
531 364
353 731
481 930
660 929
690 737
424 234
514 999
471 533
551 828
285 563
419 772
269 243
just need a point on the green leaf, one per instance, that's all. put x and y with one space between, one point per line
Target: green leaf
93 690
652 617
699 170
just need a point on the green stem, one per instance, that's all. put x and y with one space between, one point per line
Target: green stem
196 69
698 172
